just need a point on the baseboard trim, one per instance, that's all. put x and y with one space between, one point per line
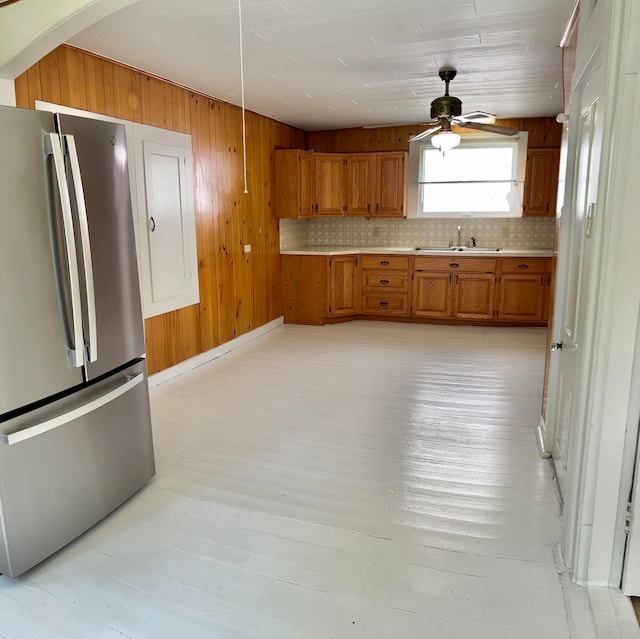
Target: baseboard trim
214 353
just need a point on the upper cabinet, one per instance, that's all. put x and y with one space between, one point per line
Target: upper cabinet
343 184
541 182
330 184
295 183
360 179
390 185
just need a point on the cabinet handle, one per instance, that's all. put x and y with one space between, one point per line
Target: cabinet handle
384 263
524 267
152 224
377 206
384 304
384 281
454 265
369 208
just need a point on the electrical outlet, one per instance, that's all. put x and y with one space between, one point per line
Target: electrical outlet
247 248
504 232
376 231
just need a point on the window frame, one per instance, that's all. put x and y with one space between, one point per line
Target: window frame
519 145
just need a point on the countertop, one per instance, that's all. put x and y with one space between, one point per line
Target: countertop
391 250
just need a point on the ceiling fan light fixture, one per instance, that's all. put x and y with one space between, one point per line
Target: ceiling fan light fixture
445 141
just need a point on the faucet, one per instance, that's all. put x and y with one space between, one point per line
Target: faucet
459 236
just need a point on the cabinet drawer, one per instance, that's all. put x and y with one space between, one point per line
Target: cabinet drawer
524 264
382 280
456 263
391 262
384 304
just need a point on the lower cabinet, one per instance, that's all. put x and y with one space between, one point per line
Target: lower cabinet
318 289
452 288
524 285
432 294
344 289
474 295
385 285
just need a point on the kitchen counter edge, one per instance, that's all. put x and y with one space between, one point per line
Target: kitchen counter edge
386 250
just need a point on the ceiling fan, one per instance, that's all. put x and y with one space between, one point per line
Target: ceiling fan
447 110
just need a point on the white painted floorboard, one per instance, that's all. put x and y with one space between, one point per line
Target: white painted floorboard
366 479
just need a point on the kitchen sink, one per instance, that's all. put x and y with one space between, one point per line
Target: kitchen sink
457 249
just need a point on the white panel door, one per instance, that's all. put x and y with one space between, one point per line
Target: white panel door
571 327
164 174
167 224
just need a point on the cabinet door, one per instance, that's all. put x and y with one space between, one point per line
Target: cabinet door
295 182
541 182
306 195
166 224
391 185
330 183
522 298
474 295
432 294
360 177
344 288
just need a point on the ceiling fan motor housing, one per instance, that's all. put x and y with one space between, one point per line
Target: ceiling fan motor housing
447 106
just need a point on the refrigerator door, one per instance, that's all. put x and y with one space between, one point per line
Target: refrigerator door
67 465
36 267
113 286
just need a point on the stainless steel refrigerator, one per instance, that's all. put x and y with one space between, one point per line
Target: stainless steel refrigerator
75 428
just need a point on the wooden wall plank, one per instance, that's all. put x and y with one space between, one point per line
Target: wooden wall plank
238 292
95 84
34 85
50 78
543 132
206 222
21 85
73 89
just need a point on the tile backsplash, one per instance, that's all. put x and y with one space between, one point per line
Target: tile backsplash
506 233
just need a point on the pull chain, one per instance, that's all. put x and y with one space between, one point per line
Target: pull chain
244 125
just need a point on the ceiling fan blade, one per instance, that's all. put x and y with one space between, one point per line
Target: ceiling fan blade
492 128
476 116
425 134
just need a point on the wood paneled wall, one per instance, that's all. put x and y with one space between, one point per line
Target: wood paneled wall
543 132
238 292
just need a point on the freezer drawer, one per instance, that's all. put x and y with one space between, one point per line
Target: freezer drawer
66 466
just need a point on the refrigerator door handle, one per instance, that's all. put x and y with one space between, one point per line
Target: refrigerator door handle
72 151
76 354
61 420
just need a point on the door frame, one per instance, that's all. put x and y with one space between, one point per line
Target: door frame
602 470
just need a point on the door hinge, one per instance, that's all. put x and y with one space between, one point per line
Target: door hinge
588 220
628 516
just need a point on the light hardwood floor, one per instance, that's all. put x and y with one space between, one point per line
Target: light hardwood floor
360 480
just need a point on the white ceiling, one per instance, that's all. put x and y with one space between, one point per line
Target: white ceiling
322 64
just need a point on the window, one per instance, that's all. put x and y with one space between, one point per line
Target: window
482 177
